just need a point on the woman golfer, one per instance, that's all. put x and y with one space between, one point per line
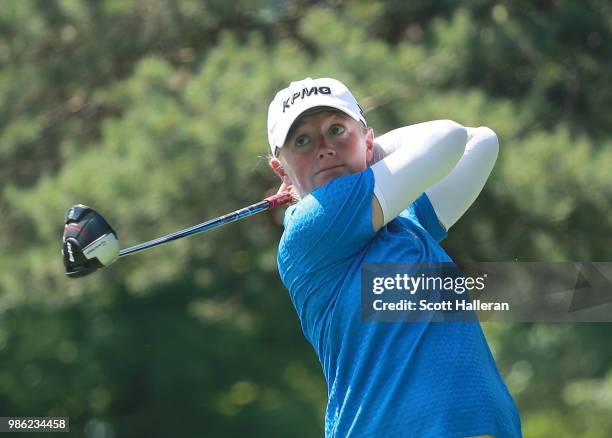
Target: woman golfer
389 199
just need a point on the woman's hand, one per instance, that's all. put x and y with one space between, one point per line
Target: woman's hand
284 187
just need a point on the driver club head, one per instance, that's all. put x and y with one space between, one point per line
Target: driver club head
89 242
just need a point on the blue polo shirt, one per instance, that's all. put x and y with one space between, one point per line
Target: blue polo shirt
385 379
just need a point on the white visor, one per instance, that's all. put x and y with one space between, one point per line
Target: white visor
290 103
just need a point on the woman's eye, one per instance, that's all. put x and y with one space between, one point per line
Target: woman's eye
336 130
302 140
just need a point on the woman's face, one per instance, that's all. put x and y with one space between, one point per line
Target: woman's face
323 146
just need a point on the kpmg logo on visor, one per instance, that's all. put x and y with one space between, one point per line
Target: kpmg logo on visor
304 93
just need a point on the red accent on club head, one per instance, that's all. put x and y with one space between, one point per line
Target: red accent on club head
73 229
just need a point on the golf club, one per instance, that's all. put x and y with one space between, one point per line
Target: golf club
90 243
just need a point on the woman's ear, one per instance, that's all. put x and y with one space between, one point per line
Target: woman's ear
278 169
370 152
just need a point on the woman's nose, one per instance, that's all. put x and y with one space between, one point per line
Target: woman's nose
325 148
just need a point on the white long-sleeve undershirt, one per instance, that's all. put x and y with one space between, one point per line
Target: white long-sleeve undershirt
441 158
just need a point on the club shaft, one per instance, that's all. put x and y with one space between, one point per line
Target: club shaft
266 204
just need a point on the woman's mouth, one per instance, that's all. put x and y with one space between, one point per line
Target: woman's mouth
326 169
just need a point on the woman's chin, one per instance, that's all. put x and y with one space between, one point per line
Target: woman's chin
328 175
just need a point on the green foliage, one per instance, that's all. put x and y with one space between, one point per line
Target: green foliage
154 113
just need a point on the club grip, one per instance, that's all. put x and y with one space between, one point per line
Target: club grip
278 199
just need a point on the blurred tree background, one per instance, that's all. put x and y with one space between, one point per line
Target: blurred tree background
154 113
